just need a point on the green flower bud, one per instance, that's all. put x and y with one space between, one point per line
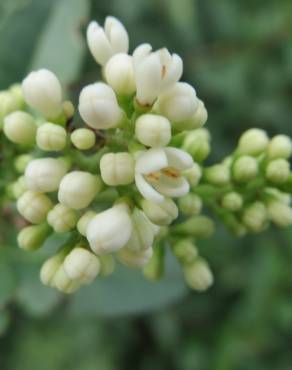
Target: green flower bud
78 189
197 143
232 201
8 104
34 207
280 147
20 128
219 175
18 187
160 213
134 258
279 195
51 137
82 265
185 251
83 138
84 221
198 227
154 269
107 265
62 218
50 268
153 130
63 282
234 225
245 169
33 237
190 204
21 162
198 275
193 175
255 217
278 171
253 142
117 168
280 213
16 91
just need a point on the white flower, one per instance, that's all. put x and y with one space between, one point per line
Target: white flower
110 230
105 42
153 130
34 207
178 103
158 173
51 137
20 127
154 72
134 258
62 218
117 168
77 189
43 92
98 106
82 265
45 174
119 74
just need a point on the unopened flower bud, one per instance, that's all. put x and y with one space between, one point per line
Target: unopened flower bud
18 187
134 258
197 120
117 168
107 265
110 230
81 264
84 220
198 226
280 213
20 128
278 171
62 218
64 283
21 162
154 268
218 174
51 137
232 201
190 204
104 42
185 251
78 189
119 74
178 103
193 175
142 232
42 91
45 174
280 147
153 130
33 237
34 207
8 104
255 217
253 142
197 143
198 275
245 168
98 106
83 138
50 268
160 213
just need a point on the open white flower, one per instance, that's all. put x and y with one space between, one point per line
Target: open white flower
104 42
154 72
42 91
98 106
159 173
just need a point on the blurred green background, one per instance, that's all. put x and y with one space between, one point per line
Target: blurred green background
238 55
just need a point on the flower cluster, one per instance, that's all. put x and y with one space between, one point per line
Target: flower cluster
128 184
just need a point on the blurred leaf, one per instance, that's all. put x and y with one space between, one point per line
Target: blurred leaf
7 280
128 292
61 46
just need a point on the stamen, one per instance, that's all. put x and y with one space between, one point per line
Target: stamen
171 172
153 177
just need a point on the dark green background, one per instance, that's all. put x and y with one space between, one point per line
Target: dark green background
238 56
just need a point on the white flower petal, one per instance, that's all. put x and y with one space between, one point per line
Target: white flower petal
98 43
151 161
178 158
171 187
117 35
173 72
147 190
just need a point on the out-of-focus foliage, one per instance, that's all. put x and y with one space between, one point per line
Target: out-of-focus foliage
238 54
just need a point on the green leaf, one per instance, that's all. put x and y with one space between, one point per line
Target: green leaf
128 292
61 46
7 280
